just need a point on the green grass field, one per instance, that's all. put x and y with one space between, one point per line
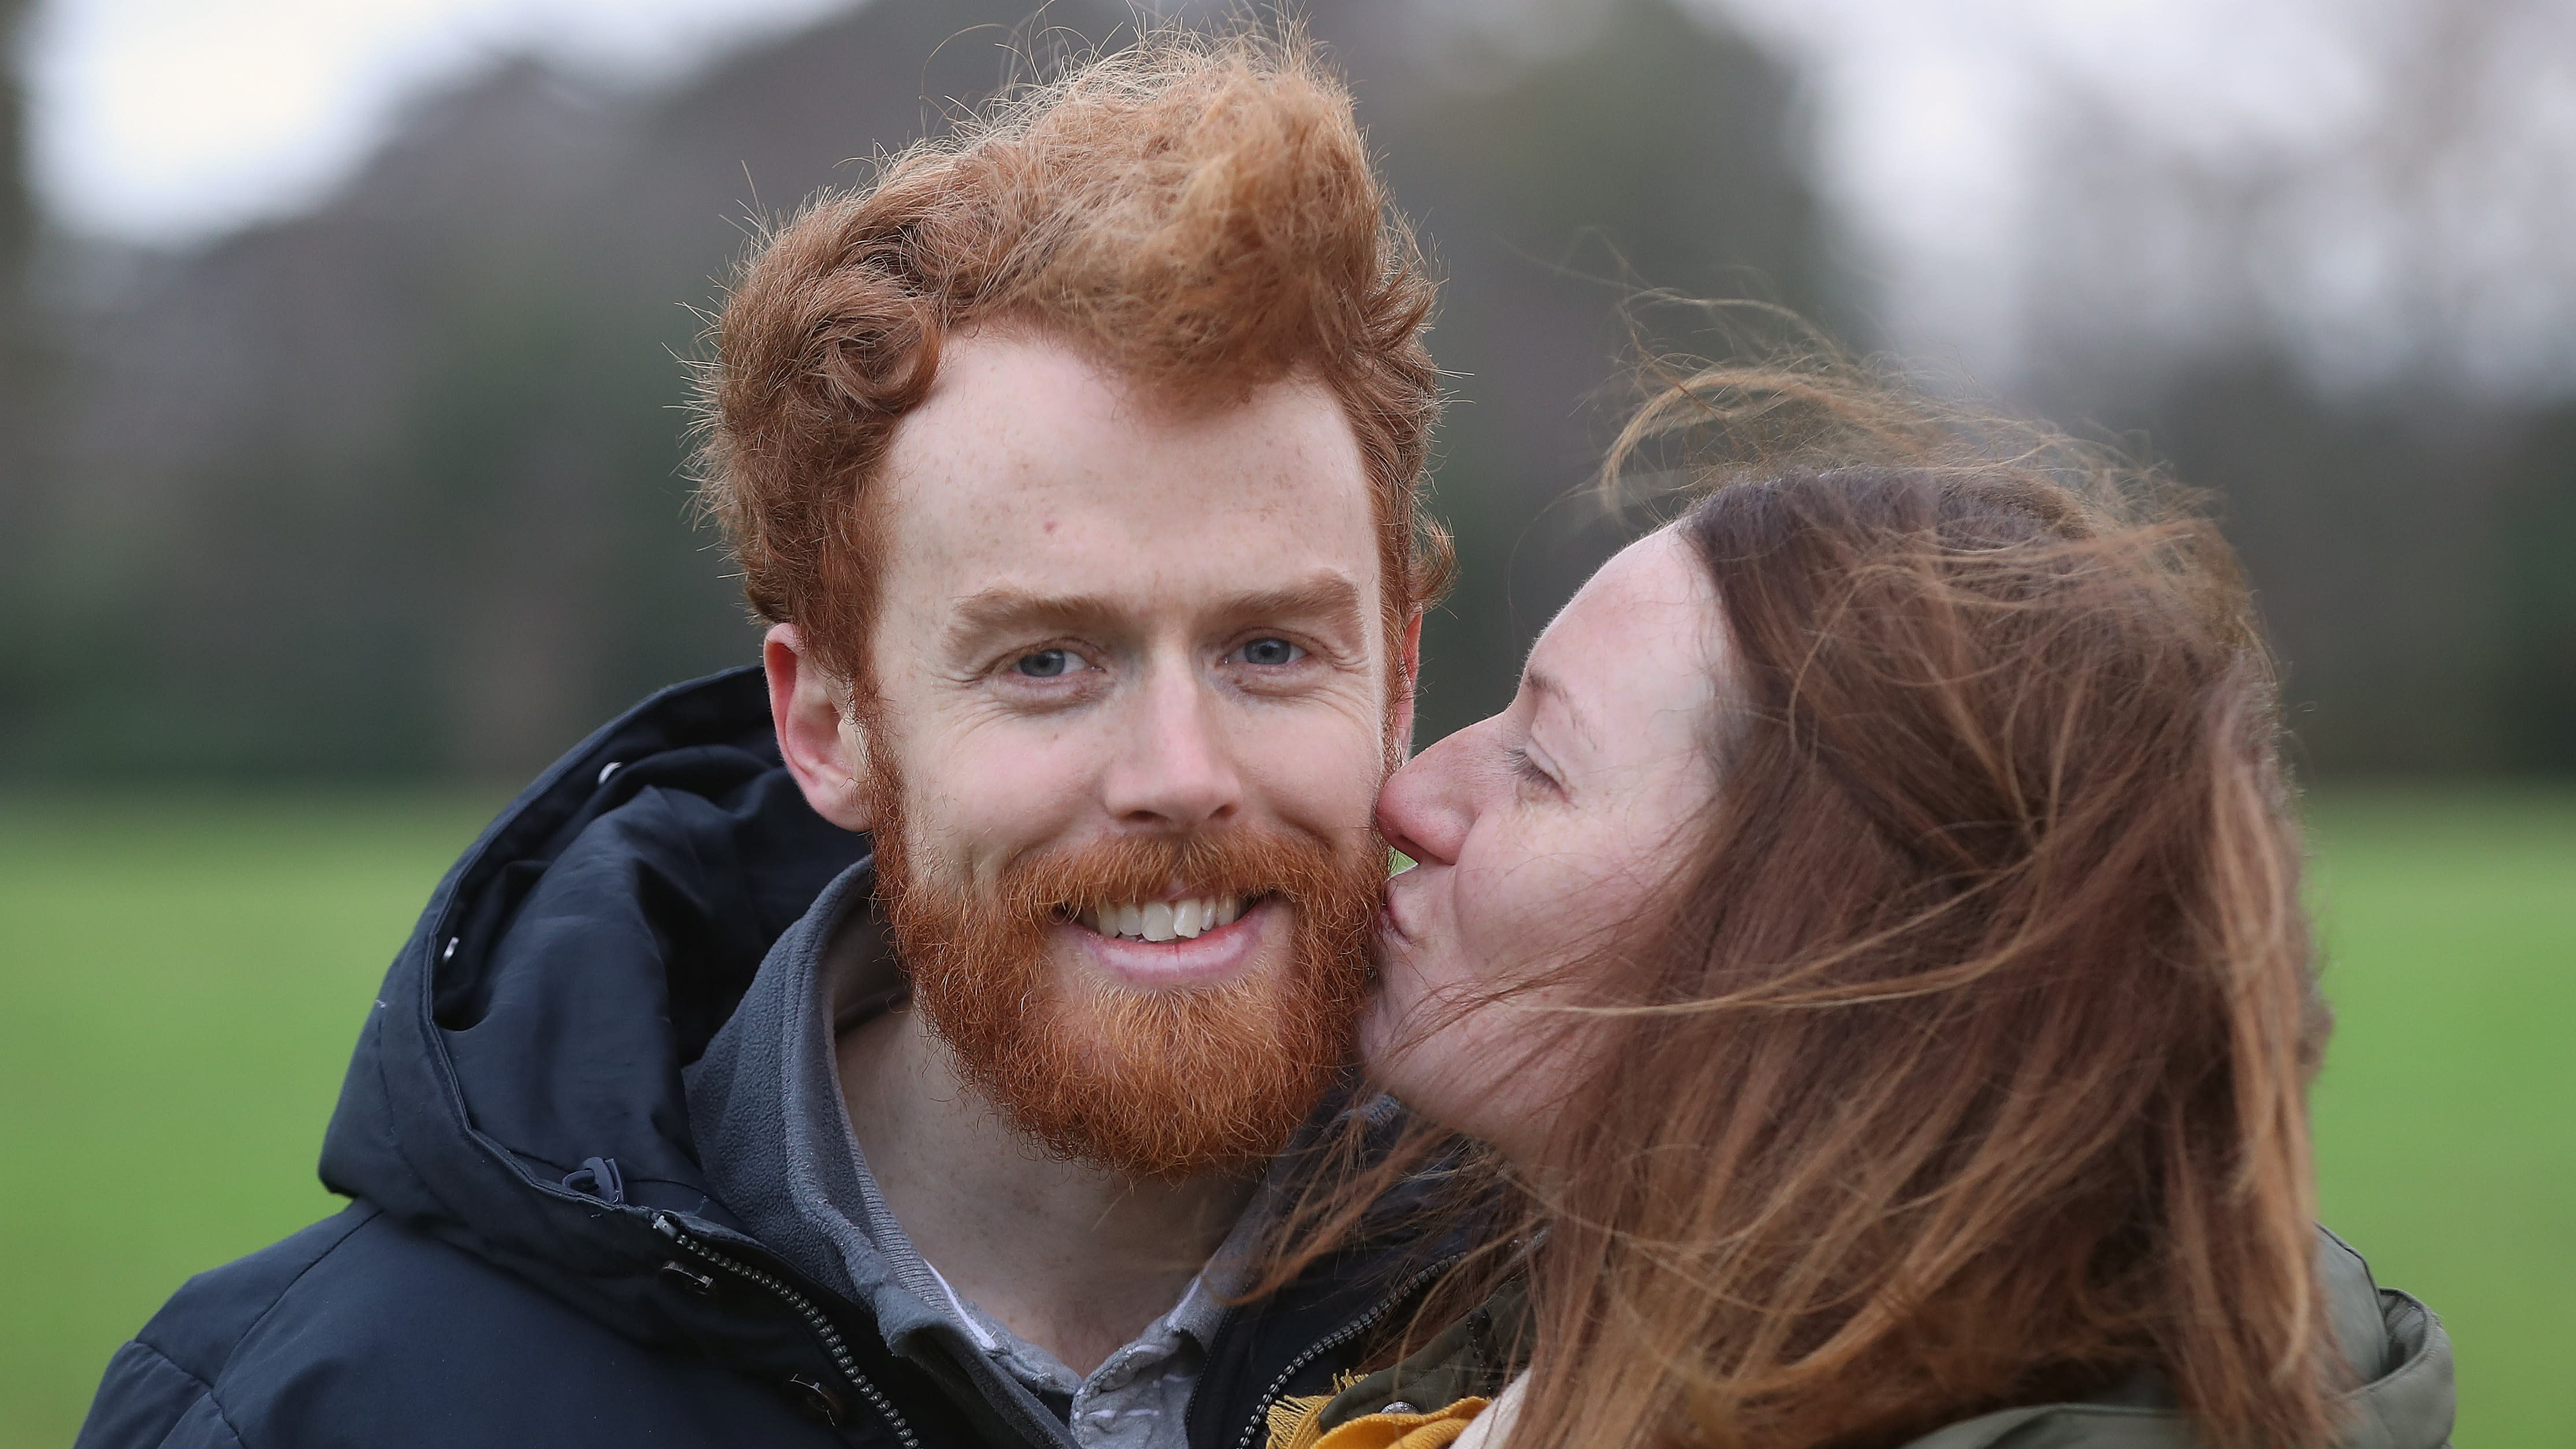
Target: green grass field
180 982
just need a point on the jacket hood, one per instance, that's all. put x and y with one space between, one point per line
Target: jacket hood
517 1091
582 951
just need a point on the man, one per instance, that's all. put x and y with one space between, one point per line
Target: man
1076 463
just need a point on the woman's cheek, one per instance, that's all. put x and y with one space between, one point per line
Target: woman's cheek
1379 1023
1510 922
1481 916
1407 977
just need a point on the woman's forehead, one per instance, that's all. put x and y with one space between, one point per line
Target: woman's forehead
1635 651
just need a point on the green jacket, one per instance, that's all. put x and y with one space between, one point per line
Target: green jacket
2395 1344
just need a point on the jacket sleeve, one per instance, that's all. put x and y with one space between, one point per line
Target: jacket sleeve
147 1401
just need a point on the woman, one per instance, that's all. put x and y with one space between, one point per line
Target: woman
1870 943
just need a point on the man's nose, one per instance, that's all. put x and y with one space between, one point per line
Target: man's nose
1177 771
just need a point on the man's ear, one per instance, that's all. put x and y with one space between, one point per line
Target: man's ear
827 759
1400 729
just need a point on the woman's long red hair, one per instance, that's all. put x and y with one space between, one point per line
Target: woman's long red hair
1966 1065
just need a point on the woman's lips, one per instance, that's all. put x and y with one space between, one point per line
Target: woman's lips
1390 917
1213 955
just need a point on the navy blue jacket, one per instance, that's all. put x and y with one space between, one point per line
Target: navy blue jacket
530 1254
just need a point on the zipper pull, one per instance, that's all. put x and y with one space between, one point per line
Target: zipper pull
599 1177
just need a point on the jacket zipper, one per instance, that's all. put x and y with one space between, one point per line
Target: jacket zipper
814 1317
1334 1340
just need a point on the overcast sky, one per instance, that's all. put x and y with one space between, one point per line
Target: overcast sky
2384 189
172 120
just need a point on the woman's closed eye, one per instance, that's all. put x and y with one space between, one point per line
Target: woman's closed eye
1528 771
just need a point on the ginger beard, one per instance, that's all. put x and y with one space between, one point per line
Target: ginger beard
1172 1082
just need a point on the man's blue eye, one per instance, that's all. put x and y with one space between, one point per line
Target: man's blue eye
1270 651
1046 663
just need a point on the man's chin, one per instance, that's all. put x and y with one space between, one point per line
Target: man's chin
1167 1083
1262 938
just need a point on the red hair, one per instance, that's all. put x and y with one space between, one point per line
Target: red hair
1964 1062
1198 215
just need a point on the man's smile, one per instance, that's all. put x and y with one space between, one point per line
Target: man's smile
1185 918
1213 951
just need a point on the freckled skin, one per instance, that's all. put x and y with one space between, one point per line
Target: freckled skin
1083 596
1538 833
1161 725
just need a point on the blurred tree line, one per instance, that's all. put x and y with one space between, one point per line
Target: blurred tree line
391 488
20 366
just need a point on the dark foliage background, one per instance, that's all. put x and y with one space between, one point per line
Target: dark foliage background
391 489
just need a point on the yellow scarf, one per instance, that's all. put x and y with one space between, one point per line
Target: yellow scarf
1293 1426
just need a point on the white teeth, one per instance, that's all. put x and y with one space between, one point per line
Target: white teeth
1164 920
1158 922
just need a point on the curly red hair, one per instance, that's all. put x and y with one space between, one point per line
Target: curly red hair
1197 214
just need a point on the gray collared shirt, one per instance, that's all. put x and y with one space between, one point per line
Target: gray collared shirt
1137 1397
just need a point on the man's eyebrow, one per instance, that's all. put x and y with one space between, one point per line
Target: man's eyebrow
999 611
1330 598
1540 681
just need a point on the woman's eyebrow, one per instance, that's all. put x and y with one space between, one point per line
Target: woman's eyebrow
1541 682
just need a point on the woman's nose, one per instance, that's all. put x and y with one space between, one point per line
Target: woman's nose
1423 811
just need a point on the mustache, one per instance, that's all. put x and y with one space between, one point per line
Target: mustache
1241 861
